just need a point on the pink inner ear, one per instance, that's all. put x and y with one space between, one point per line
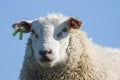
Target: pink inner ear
74 23
16 27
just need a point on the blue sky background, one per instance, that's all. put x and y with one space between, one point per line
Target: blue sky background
101 21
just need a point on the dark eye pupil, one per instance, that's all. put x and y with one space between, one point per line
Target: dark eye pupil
32 31
64 30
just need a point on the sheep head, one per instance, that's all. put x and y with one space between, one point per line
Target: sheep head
50 37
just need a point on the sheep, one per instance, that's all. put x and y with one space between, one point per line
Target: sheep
58 50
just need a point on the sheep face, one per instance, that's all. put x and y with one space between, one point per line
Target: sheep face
50 38
50 41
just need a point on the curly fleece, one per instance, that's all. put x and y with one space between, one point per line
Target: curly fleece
85 62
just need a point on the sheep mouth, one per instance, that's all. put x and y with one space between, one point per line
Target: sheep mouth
46 60
46 63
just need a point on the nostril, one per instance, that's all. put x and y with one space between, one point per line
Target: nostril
42 53
50 51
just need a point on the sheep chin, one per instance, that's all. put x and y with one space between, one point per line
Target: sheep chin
47 64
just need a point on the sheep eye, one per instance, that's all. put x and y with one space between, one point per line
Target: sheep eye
64 30
33 32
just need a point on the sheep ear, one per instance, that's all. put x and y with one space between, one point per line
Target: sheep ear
74 23
25 24
21 27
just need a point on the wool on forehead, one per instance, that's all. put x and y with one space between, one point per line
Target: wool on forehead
53 19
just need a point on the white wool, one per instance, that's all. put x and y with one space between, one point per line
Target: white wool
74 56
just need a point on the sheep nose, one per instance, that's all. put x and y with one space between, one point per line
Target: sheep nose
44 52
46 55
